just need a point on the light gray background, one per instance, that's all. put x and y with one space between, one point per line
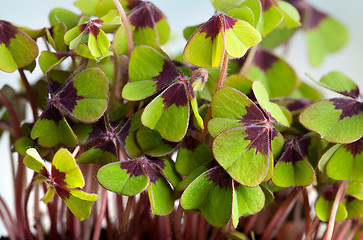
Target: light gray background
182 13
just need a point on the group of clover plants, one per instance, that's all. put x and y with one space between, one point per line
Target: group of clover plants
221 141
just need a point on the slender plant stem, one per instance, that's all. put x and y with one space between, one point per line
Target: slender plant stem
116 76
311 229
109 224
360 237
126 216
223 73
7 220
249 60
338 198
280 215
26 201
177 219
221 79
201 228
250 223
46 43
13 115
353 232
125 20
199 71
30 93
188 233
344 229
101 215
306 209
38 226
6 127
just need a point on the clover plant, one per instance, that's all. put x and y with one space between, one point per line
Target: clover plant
223 141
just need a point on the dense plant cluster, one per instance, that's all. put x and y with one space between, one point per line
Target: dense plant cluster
222 141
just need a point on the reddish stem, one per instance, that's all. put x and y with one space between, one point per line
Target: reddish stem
38 225
101 215
30 93
344 229
199 71
125 20
311 229
26 201
251 54
306 209
201 228
126 216
353 232
178 214
280 215
7 220
338 198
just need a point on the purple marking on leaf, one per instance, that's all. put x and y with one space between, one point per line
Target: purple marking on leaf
354 93
264 59
349 107
98 130
297 104
7 32
253 115
170 144
355 148
67 97
145 15
124 132
168 75
259 138
295 150
175 94
212 27
330 192
44 172
82 27
152 173
228 21
134 167
159 163
314 17
94 30
53 86
132 3
266 4
107 146
190 143
63 193
350 198
58 177
51 113
218 176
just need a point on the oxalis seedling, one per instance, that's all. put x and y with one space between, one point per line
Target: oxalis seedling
241 166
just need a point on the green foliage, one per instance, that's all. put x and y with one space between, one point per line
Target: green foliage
258 135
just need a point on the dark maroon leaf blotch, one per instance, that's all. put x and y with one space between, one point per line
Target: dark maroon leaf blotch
67 97
349 107
229 22
212 27
152 173
259 138
51 113
266 4
124 132
134 167
44 172
7 32
219 176
355 148
190 143
175 94
94 30
98 130
295 150
297 104
107 146
145 15
168 75
159 163
264 59
62 192
253 115
330 192
314 17
58 177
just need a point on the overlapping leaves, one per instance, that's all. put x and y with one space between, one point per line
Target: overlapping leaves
245 133
65 179
150 72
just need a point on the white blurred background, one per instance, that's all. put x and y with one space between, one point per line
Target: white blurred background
34 14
